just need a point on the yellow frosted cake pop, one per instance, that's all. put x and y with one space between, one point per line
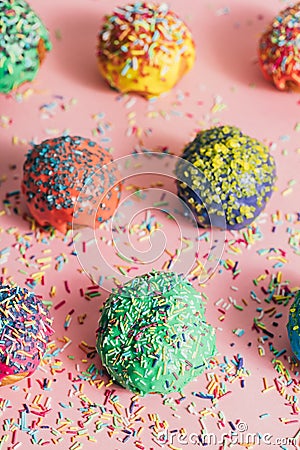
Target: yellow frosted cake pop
144 48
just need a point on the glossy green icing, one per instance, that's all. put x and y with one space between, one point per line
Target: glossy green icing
153 336
20 32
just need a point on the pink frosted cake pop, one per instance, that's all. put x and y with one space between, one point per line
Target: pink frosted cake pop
25 328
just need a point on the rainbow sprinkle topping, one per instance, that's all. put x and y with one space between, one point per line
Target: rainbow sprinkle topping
144 40
25 327
279 49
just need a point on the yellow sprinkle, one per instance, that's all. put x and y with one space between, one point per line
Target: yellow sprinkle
52 291
287 191
44 260
278 258
140 430
279 277
37 275
261 277
100 384
27 93
235 249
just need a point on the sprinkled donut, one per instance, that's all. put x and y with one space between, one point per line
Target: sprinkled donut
24 42
293 325
279 49
237 168
153 336
25 328
57 171
144 48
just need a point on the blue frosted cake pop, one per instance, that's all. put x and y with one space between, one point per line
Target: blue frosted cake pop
234 167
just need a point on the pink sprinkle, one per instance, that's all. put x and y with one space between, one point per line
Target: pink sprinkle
41 413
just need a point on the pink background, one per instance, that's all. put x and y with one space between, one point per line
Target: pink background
225 86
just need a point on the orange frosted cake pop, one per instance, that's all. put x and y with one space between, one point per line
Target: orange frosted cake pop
56 174
279 49
144 48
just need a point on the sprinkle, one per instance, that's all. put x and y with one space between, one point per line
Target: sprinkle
60 304
264 415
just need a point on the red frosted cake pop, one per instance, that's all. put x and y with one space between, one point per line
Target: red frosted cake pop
279 49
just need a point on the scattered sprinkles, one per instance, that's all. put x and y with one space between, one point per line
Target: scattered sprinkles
70 400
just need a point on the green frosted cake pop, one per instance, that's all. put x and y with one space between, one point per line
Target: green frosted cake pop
153 336
24 41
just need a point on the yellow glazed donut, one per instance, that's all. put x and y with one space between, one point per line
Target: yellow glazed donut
144 48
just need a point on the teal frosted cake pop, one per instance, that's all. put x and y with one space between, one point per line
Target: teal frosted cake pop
293 325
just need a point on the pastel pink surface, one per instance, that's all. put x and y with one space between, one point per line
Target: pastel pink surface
225 86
